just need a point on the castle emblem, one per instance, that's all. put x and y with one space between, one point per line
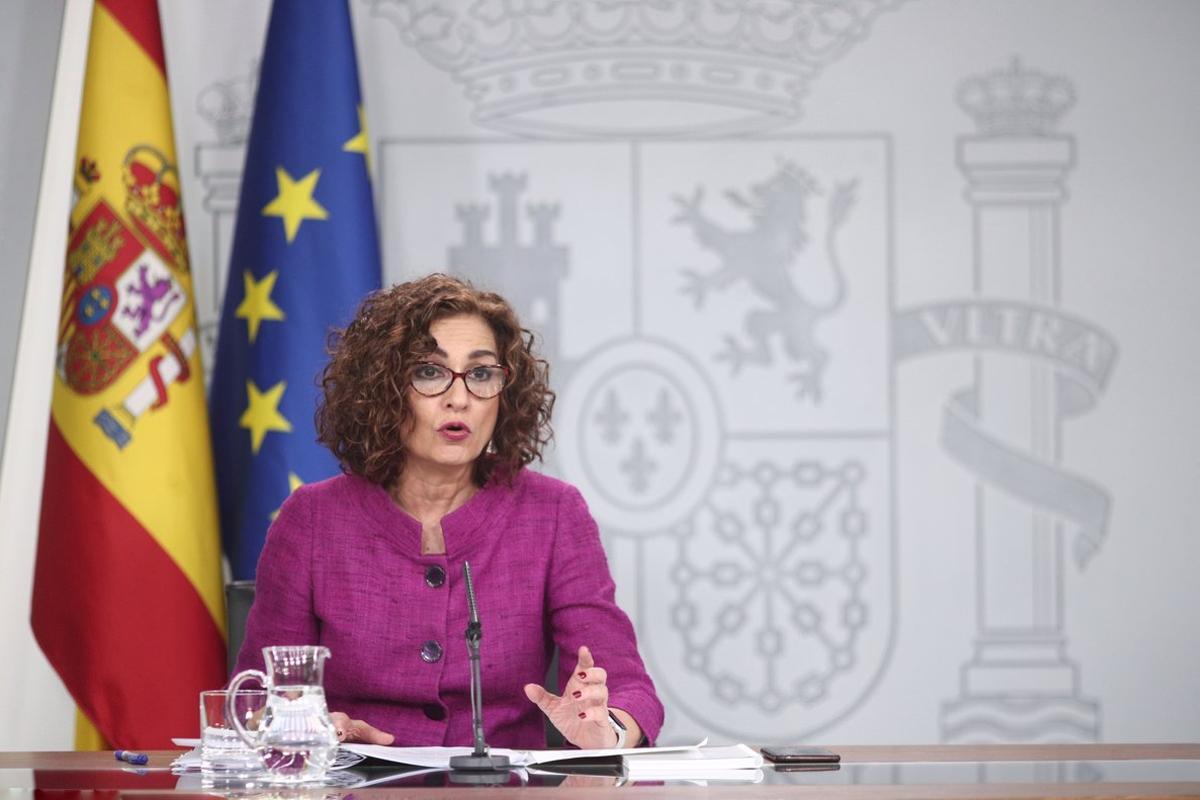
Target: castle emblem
522 261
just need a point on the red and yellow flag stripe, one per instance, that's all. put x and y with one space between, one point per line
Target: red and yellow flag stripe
127 588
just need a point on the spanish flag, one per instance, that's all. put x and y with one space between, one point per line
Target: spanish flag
127 601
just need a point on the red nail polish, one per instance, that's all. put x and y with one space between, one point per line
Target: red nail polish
583 675
582 715
577 695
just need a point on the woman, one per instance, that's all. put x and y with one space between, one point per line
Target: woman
434 404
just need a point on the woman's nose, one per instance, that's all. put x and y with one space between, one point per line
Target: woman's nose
457 395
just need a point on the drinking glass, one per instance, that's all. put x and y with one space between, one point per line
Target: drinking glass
223 754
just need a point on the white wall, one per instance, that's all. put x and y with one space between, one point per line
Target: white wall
29 35
28 49
979 622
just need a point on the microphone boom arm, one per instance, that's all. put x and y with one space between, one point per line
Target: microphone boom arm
480 759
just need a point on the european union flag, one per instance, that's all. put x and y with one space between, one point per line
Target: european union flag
305 253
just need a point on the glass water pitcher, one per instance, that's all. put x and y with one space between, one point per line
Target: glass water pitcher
295 738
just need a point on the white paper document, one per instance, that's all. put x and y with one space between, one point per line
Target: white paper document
732 762
439 757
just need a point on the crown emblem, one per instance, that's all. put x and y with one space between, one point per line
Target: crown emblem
1016 101
229 106
152 201
564 67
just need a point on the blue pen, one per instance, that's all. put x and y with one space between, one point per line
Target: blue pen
130 757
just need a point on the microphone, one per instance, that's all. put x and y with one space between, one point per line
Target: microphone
480 761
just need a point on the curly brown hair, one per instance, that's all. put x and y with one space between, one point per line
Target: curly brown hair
364 410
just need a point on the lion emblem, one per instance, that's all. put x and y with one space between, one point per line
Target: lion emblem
766 255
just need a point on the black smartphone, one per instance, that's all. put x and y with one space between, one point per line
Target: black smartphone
799 754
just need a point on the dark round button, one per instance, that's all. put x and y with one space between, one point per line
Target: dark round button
431 651
435 576
434 712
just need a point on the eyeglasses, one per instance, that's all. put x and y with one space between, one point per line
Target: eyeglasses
485 382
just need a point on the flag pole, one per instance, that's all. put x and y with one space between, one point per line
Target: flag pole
27 693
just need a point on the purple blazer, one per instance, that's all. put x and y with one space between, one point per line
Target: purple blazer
342 567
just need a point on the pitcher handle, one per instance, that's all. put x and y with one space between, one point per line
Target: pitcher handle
230 715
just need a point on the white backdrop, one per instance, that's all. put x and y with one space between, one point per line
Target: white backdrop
949 246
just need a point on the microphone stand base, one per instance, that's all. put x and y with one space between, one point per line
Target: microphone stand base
465 778
475 763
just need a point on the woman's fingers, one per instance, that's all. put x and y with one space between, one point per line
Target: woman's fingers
581 713
584 659
586 671
586 696
588 684
368 734
596 714
540 697
591 677
355 730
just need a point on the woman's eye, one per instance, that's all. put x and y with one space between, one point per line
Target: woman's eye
428 372
481 373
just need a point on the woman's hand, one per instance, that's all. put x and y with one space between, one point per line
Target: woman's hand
581 712
357 731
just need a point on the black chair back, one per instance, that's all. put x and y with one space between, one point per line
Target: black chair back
554 737
239 596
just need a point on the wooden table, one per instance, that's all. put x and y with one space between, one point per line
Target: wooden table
866 772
